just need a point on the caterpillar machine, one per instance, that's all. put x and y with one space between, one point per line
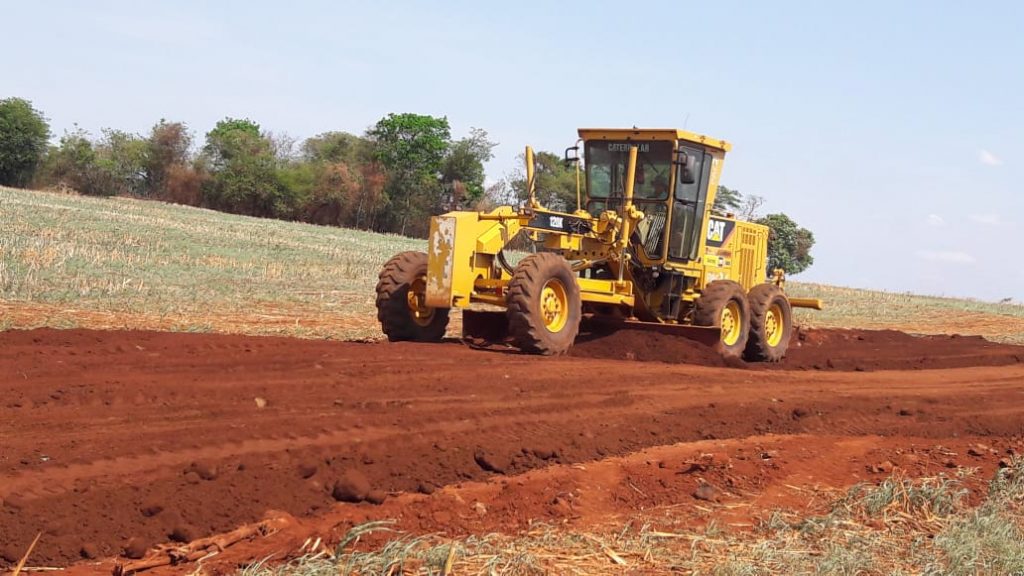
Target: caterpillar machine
643 249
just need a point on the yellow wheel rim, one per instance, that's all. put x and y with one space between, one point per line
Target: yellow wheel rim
732 323
773 325
554 305
418 309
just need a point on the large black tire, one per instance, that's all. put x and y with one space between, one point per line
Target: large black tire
710 310
401 313
771 324
533 326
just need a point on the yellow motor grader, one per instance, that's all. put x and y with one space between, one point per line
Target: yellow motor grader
643 248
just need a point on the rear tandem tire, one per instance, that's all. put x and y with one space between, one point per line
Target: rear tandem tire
723 304
771 324
400 308
544 305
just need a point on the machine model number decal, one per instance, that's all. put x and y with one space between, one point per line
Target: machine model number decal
559 223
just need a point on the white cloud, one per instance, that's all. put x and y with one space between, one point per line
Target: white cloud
988 159
935 220
986 219
946 256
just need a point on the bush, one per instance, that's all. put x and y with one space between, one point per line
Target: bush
182 185
24 134
121 160
73 164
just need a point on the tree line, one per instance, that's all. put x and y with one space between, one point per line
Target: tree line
392 178
403 169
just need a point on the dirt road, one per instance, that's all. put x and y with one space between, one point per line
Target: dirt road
115 441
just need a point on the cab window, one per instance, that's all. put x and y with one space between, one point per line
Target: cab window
688 207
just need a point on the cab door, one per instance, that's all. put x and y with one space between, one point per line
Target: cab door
688 203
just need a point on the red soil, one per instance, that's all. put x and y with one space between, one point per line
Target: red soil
856 350
114 441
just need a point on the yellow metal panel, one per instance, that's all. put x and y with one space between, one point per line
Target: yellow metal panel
556 241
617 299
452 265
652 134
440 261
606 291
491 240
605 286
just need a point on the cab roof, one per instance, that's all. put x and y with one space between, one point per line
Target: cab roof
652 134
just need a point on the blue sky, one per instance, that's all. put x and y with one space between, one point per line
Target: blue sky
893 130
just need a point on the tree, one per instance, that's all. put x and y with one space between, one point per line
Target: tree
231 138
121 160
751 206
727 200
463 170
789 245
337 147
168 151
24 134
555 183
242 167
412 150
348 189
333 194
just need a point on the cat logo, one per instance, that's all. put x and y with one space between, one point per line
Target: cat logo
716 230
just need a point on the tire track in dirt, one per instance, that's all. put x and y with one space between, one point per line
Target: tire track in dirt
110 436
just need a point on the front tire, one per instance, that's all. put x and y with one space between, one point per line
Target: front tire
771 324
401 288
723 304
544 306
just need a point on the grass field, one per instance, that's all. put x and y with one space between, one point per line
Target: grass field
69 261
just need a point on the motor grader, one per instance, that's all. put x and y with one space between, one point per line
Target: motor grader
642 249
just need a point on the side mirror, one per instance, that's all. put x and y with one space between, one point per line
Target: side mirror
687 167
572 156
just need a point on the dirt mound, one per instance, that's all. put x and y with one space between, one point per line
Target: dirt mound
864 350
114 441
597 341
815 349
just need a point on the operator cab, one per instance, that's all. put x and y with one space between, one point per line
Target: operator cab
673 186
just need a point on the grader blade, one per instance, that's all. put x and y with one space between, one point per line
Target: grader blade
484 327
707 335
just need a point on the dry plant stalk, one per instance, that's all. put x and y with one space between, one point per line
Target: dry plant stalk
166 555
21 563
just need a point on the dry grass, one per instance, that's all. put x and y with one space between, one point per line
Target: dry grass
900 526
850 307
111 262
68 261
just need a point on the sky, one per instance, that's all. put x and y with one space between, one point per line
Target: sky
894 131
